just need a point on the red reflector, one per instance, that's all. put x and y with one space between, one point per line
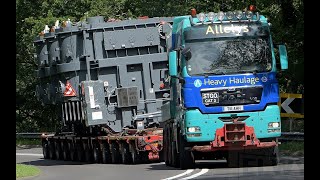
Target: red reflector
69 90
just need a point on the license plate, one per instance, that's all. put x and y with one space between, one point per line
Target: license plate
232 108
210 98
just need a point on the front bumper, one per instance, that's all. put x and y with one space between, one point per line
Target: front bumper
234 136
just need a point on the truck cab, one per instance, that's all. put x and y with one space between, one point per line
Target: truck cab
224 88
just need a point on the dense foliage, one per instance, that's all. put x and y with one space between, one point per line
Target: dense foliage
286 16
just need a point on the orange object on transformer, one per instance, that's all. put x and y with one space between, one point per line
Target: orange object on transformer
69 90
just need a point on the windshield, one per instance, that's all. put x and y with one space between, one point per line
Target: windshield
229 56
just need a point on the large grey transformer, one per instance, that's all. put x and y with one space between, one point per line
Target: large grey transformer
105 74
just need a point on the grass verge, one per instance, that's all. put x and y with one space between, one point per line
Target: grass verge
26 170
293 148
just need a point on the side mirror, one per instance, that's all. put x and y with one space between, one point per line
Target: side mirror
173 66
186 52
283 57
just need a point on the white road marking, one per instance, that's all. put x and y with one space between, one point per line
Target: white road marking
28 154
203 171
179 175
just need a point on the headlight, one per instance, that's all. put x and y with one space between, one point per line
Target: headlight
273 125
193 129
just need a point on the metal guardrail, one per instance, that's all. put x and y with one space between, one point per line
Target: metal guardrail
29 135
292 136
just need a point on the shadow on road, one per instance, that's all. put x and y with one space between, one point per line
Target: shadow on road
45 162
211 164
260 175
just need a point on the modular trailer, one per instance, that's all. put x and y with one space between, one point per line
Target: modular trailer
106 80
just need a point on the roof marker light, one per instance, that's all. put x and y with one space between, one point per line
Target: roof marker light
249 14
220 15
230 15
201 17
211 16
239 15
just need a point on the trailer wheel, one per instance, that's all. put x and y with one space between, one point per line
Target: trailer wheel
126 155
87 152
96 153
45 149
65 150
52 154
58 150
115 154
134 154
105 152
186 160
72 151
80 152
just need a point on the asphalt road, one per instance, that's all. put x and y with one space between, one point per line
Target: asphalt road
288 168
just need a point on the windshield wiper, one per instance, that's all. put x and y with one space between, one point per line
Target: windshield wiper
249 71
209 73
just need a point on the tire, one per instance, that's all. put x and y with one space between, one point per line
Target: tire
87 153
72 151
170 160
134 154
58 150
80 152
45 149
65 151
175 155
115 154
186 158
125 153
166 145
52 154
96 153
271 156
105 153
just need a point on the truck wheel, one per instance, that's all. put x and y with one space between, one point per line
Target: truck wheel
45 149
170 161
87 152
105 153
115 155
72 151
65 151
165 145
186 156
271 156
175 155
52 154
96 153
126 155
80 152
